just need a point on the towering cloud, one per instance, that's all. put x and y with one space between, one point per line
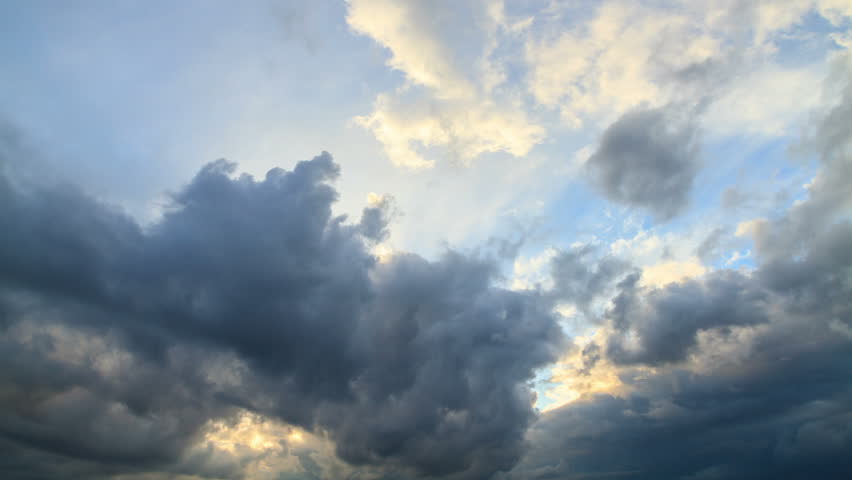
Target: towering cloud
120 343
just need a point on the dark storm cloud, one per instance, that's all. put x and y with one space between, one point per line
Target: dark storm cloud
654 326
448 360
114 335
648 158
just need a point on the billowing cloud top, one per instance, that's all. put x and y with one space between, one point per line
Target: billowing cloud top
612 240
252 295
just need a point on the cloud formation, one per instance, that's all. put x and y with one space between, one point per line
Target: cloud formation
647 158
251 295
450 106
734 374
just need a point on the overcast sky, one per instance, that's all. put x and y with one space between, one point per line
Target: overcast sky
394 240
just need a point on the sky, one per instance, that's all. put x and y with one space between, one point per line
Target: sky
398 240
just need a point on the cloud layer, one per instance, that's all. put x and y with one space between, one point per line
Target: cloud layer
122 343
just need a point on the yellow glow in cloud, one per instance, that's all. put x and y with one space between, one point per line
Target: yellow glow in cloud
456 110
750 228
603 67
253 433
569 381
466 128
531 272
374 199
265 447
296 437
643 245
415 50
383 252
664 273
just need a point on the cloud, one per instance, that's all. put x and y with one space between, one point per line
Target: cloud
121 344
376 216
829 195
486 77
649 159
581 278
415 47
781 410
595 64
654 326
664 273
749 107
727 375
449 101
462 130
612 61
803 252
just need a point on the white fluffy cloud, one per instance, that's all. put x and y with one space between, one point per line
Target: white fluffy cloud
449 100
480 80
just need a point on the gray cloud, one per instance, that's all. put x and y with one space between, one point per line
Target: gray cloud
750 380
751 371
115 338
648 158
448 360
780 413
581 276
734 198
375 219
660 326
830 193
711 243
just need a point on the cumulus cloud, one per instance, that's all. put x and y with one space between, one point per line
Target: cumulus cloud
485 77
647 158
661 325
121 344
461 130
581 277
449 102
613 57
